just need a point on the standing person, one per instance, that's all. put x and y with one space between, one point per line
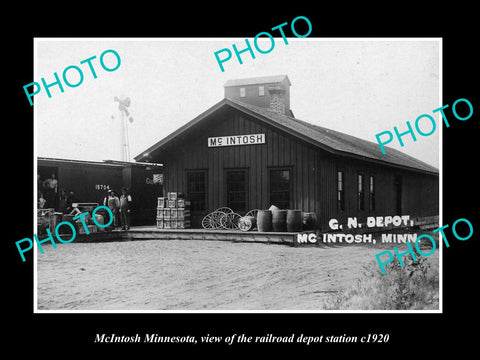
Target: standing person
125 203
105 199
50 194
113 203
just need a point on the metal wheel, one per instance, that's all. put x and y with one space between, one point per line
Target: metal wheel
216 219
252 213
207 222
224 210
229 221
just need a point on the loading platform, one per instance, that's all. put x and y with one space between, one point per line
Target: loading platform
152 233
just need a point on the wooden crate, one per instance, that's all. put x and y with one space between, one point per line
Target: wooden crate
172 195
180 214
166 214
173 213
181 203
171 203
161 202
159 223
182 224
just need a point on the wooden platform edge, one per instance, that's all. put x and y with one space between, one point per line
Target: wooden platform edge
185 235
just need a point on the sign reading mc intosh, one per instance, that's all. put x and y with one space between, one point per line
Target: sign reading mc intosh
236 140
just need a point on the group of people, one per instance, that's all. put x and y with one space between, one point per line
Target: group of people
120 208
49 197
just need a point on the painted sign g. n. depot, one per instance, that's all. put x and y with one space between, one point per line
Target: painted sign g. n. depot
249 139
355 236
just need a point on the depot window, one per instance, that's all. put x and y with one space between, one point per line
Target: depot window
340 190
261 90
242 92
360 192
371 194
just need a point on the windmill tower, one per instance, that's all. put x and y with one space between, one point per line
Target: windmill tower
124 115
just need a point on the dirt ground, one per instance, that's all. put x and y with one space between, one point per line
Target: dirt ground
196 275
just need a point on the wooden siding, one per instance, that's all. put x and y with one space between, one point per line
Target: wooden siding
314 171
280 150
420 192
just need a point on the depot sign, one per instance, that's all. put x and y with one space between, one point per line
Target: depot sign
236 140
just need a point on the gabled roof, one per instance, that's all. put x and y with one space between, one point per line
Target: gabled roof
338 142
331 141
257 80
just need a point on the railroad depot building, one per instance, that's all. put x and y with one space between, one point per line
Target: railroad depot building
248 151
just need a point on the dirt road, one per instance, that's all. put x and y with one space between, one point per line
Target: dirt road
195 275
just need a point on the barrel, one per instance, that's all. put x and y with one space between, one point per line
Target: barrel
279 220
309 221
247 223
264 220
294 220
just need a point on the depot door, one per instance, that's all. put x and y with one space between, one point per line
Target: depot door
237 190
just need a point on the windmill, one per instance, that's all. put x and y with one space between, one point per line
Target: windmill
124 114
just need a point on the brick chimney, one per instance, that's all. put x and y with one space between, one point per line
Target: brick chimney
277 99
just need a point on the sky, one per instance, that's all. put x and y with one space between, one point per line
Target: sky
357 86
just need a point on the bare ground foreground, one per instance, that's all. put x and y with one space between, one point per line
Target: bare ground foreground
198 275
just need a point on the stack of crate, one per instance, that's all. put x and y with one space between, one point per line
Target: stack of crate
173 212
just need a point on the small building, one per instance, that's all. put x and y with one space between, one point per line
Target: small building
91 180
270 92
248 151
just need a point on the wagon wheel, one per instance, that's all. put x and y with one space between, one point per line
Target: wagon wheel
225 221
216 217
224 210
207 222
252 213
230 221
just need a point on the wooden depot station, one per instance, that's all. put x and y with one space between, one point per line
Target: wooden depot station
248 152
